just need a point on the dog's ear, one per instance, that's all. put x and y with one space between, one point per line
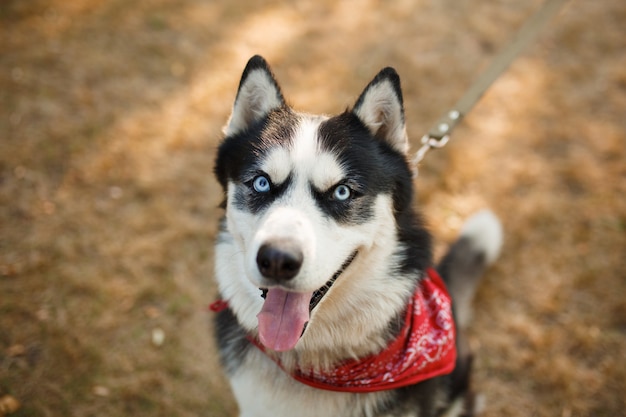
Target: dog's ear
380 108
258 94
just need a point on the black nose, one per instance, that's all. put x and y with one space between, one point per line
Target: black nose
279 261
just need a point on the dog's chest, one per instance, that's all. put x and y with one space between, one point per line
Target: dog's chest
262 389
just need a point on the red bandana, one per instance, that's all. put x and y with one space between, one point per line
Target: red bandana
425 348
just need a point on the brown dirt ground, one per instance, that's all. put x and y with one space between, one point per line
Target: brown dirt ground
110 114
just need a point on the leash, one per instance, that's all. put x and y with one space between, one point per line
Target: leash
439 134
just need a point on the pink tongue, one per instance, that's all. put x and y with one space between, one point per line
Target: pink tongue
282 318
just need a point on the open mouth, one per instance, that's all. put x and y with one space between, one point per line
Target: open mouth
284 315
321 292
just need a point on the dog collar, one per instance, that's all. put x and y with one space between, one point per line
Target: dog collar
425 348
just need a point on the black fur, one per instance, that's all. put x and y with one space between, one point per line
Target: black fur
232 340
378 168
373 167
237 154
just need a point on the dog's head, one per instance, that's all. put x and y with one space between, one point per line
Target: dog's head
309 198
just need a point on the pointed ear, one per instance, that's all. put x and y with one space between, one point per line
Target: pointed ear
380 108
258 94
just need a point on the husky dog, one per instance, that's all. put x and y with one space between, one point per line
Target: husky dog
330 304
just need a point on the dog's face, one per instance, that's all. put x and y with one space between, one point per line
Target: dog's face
308 197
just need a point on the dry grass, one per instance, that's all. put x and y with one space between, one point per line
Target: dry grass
110 115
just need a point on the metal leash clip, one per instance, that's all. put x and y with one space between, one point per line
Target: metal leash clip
428 143
437 138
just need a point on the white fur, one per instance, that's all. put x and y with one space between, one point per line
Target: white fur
382 108
485 231
357 321
351 320
320 168
256 97
354 313
278 165
262 389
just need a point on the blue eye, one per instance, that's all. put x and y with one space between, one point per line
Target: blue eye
342 192
261 184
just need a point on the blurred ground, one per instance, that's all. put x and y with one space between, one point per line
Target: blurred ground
110 114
